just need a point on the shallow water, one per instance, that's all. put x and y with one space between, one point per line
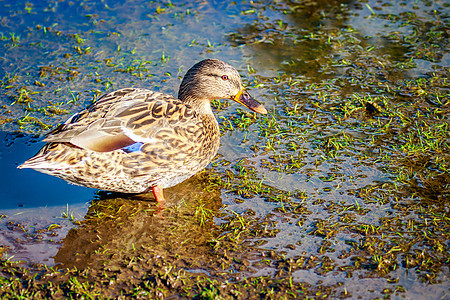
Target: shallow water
343 186
28 188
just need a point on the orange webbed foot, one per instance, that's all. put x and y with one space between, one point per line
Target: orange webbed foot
159 196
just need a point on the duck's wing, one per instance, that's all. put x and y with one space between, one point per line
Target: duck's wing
124 117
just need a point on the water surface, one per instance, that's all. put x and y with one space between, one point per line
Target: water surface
341 191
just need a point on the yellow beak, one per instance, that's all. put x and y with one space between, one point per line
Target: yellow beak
245 99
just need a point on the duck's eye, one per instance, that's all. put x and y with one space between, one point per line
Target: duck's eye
225 77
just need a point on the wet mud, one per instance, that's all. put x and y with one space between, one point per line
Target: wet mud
341 191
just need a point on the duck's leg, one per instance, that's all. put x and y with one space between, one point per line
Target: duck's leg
158 193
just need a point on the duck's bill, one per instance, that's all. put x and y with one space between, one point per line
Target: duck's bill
245 99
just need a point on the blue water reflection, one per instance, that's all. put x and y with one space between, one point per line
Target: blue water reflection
28 188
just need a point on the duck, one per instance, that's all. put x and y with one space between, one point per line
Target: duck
135 140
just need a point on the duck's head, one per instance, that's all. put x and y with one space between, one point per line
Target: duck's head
212 79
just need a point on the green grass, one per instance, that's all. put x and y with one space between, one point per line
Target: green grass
346 177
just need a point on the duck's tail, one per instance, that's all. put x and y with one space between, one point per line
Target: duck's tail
44 159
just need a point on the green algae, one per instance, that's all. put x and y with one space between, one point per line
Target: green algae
345 181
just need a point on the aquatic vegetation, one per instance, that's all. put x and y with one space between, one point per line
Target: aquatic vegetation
346 179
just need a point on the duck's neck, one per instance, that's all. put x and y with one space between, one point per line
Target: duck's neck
194 91
201 106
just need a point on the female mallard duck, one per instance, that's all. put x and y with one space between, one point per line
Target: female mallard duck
135 140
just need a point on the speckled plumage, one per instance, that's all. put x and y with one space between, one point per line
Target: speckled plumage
133 140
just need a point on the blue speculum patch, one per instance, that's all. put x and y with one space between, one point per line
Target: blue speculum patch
133 147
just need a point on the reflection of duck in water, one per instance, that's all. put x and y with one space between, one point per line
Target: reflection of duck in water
135 140
117 226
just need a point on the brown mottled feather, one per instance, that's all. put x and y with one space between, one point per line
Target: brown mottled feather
175 138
